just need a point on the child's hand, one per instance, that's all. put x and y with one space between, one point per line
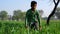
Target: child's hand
40 28
26 27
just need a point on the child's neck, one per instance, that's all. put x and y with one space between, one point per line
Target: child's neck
32 9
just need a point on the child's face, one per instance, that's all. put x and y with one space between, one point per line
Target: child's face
34 6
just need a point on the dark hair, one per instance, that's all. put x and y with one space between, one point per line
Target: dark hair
33 2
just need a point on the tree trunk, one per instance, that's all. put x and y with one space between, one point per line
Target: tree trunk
52 12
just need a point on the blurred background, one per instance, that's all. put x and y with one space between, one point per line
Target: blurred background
16 9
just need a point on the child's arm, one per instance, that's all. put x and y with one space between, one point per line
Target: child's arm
38 17
26 20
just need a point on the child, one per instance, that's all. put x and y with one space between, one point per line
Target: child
32 17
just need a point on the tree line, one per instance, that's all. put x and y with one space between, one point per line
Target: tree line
17 15
20 15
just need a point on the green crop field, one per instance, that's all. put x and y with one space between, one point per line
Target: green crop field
17 27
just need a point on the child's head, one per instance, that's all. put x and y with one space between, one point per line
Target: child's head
33 4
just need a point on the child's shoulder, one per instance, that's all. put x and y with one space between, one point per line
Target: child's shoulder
37 11
28 10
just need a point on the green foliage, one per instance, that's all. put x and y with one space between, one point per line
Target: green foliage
18 14
57 13
3 14
17 27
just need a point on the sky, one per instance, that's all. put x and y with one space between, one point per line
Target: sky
11 5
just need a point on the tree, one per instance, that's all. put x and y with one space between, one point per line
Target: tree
17 14
3 14
57 13
23 16
52 13
41 12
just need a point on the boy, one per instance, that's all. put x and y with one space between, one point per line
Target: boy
32 17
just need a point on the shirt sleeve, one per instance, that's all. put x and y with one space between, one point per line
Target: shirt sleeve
26 19
38 17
